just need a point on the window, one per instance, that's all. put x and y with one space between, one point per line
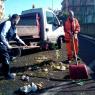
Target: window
28 20
51 18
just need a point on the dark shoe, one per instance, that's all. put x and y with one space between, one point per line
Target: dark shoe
78 59
9 77
12 58
67 61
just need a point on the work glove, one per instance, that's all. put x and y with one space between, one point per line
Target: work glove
76 36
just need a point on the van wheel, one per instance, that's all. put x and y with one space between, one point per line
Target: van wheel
59 42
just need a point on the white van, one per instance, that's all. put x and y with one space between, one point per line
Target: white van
40 26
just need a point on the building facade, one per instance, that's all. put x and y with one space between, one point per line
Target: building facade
1 9
83 9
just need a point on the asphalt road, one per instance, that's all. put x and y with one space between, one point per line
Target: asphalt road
55 82
87 55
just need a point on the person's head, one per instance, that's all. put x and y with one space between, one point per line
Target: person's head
15 19
71 14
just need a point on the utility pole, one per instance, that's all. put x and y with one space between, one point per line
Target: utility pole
67 5
52 4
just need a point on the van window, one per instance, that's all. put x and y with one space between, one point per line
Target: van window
29 19
51 18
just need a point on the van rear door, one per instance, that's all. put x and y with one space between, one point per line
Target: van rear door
28 25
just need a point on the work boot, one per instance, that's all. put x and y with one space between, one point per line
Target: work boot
12 58
78 59
67 61
9 77
6 72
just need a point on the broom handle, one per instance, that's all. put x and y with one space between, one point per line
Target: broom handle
74 50
72 36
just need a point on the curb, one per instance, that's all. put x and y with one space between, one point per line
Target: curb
86 36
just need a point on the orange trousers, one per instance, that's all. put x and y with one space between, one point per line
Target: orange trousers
70 48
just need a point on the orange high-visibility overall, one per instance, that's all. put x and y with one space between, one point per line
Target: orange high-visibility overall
70 27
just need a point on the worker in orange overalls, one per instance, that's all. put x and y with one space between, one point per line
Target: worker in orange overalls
72 28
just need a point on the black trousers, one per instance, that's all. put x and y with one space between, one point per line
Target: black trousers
5 59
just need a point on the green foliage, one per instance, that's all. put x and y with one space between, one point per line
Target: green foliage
1 93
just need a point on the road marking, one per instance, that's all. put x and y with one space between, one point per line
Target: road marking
91 39
87 37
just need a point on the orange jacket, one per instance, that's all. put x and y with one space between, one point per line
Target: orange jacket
67 27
